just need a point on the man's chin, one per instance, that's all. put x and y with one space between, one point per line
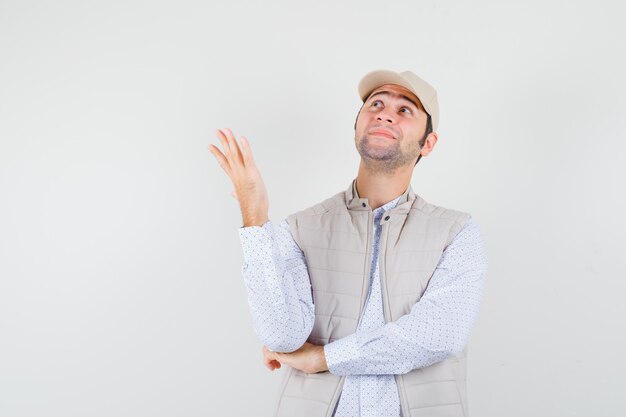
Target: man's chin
380 157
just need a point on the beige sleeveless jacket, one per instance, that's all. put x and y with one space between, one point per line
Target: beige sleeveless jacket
336 238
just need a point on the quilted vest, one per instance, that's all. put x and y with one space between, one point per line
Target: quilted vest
336 238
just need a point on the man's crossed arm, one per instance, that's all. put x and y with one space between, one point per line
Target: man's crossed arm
437 327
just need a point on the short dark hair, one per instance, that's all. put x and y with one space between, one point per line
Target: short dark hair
428 131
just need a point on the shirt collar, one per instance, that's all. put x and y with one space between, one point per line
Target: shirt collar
354 202
389 205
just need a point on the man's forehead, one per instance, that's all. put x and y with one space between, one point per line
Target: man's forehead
398 90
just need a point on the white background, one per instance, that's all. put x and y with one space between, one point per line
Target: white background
120 264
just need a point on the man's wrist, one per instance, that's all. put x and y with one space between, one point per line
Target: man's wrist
254 220
322 359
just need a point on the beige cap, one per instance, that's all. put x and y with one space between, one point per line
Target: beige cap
424 91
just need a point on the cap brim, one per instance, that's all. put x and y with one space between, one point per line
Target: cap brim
375 79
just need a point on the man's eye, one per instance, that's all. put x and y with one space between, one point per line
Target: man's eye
376 102
405 110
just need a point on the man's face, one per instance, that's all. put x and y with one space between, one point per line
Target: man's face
389 127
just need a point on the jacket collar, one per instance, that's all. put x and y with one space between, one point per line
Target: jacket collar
354 202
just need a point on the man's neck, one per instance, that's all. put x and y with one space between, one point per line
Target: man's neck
381 188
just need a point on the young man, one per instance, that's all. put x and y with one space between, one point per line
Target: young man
368 297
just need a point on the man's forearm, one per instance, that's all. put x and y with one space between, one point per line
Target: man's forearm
278 287
379 353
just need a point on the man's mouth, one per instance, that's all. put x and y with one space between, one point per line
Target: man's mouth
382 133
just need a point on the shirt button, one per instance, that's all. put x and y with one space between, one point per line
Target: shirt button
387 218
363 204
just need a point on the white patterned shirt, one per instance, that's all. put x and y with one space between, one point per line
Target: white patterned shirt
438 325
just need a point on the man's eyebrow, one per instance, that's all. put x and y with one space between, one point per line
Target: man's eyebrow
386 93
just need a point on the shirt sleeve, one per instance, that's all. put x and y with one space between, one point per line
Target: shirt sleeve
278 286
438 325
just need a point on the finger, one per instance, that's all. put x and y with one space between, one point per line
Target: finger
224 140
248 159
221 159
265 351
234 146
278 356
267 360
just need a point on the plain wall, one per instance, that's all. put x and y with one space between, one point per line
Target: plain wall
120 264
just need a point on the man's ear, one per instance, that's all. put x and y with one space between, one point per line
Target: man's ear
429 144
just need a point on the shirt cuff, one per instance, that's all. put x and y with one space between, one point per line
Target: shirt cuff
341 354
256 242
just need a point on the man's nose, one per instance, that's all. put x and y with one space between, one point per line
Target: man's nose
385 116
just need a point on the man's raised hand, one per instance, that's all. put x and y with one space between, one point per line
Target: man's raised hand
240 167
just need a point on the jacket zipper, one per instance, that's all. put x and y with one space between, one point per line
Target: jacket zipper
382 265
368 267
